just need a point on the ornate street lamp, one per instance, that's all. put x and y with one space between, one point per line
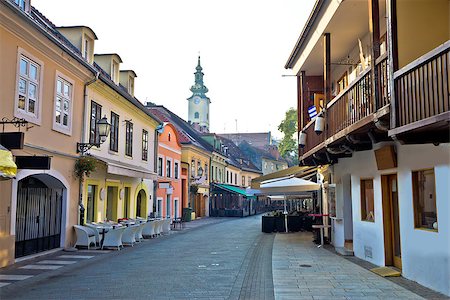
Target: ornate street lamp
104 128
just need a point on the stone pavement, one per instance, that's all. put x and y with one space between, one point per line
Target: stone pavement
201 262
210 258
303 271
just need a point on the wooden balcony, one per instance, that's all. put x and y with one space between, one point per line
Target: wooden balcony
422 104
313 140
352 113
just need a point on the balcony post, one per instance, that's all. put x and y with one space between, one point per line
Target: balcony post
301 83
392 57
374 28
326 74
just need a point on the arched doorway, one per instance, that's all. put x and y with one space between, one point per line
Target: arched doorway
141 204
38 214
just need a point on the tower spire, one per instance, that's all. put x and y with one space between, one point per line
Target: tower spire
199 88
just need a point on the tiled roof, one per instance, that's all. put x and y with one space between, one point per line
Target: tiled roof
238 158
187 134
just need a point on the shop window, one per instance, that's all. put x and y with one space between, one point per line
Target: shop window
367 200
424 199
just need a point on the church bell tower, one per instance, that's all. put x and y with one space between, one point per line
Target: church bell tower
198 112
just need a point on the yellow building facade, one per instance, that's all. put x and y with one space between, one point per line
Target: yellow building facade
42 83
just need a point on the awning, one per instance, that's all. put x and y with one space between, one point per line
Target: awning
8 168
288 186
124 169
292 171
234 189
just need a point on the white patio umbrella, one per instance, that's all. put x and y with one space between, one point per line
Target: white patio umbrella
279 188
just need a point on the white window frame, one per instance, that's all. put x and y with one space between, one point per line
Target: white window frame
159 207
114 71
178 171
86 48
162 165
56 126
35 118
175 210
169 160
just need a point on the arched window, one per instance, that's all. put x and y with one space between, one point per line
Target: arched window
196 115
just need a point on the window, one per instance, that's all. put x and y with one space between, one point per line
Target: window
175 170
63 105
168 136
144 144
28 86
168 168
129 139
243 180
91 203
228 176
160 166
206 172
96 112
168 206
424 199
126 202
192 168
114 133
114 71
249 181
86 49
196 115
367 200
21 4
235 178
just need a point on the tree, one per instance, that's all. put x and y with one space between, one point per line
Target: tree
288 146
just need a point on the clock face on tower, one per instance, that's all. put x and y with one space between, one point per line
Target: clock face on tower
196 100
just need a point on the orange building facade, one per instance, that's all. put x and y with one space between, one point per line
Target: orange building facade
169 201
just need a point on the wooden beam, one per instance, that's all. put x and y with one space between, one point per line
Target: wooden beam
374 29
302 85
393 56
327 68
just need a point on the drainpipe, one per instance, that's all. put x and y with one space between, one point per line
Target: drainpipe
83 132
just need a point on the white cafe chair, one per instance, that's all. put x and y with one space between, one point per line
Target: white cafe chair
85 236
149 229
113 238
129 235
166 225
138 236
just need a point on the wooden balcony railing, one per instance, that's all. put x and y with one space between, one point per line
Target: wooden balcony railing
383 83
351 105
422 87
312 139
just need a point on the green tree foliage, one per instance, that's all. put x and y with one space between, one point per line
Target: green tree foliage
288 146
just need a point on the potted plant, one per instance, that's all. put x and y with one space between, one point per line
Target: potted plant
84 166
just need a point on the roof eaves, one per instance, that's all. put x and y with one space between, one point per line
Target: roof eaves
312 17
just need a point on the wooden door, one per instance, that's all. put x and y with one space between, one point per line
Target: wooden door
391 221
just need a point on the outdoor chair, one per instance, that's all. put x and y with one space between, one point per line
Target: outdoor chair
113 238
85 236
129 235
158 227
138 235
166 226
95 231
148 231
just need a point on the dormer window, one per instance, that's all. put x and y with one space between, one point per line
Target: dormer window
114 68
22 4
131 85
86 49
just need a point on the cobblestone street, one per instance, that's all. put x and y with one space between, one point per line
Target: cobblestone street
209 259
